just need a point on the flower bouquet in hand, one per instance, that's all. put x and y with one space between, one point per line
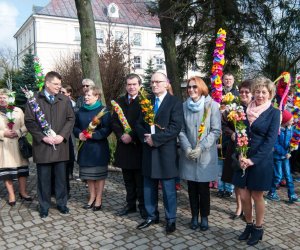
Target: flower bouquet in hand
40 116
88 132
9 110
147 109
121 116
236 115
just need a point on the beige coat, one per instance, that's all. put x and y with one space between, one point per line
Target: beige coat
10 156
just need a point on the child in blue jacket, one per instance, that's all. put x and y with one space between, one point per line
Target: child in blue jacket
281 160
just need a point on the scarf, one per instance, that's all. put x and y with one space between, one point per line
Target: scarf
253 111
97 104
195 106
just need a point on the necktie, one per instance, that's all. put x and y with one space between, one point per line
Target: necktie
51 97
130 100
156 105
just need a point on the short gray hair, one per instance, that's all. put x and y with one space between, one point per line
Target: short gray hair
4 91
261 82
87 81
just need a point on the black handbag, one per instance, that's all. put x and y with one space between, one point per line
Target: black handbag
25 147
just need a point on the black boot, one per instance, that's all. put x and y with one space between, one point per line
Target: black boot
194 223
256 236
204 223
247 232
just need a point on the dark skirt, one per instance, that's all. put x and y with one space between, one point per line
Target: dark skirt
13 173
93 172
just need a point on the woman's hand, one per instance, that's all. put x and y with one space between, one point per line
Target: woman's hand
10 134
245 163
82 137
233 136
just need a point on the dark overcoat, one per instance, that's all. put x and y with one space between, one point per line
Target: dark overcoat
127 156
159 161
60 116
262 134
94 151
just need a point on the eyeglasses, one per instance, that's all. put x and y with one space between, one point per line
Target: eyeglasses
192 86
245 92
85 86
62 92
157 82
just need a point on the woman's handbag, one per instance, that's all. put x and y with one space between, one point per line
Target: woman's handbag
25 147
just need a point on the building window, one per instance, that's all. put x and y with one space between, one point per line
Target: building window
157 40
137 39
159 63
77 56
137 62
119 36
77 34
100 36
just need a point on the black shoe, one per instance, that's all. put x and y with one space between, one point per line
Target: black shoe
204 223
28 198
247 232
237 216
220 194
147 223
126 210
170 227
256 236
97 208
227 194
194 223
11 203
143 213
89 206
43 213
63 209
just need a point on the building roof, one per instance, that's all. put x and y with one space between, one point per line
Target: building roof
131 12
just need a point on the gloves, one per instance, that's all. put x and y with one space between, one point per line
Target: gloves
188 152
195 153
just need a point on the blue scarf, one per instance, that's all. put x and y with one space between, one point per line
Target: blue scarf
97 104
195 106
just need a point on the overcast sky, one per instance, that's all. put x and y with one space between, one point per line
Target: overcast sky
13 13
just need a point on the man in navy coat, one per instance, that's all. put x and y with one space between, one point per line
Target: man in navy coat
160 153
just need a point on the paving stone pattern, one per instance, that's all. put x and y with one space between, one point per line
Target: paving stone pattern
22 228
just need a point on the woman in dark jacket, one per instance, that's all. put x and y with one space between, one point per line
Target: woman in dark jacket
93 154
228 128
263 125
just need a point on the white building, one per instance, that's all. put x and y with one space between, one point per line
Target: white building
52 32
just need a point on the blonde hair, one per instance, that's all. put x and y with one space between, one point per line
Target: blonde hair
95 90
261 82
4 91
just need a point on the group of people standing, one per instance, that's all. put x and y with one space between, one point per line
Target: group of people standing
149 159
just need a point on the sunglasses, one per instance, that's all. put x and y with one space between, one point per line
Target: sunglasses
85 86
193 86
62 92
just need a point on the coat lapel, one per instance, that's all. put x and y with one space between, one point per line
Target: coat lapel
262 115
161 107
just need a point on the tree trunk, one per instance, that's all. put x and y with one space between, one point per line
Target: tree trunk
168 44
89 55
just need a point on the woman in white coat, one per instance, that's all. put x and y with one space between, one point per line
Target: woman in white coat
12 164
199 158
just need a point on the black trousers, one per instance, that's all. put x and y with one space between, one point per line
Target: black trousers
44 184
199 196
133 180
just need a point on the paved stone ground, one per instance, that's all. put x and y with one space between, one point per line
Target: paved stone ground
22 228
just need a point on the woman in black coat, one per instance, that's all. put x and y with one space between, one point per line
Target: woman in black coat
263 125
93 155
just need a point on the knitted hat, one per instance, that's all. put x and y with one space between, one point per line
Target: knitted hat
286 116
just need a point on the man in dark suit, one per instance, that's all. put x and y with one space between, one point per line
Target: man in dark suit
51 151
128 154
160 153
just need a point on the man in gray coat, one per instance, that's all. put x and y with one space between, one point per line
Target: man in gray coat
51 151
160 153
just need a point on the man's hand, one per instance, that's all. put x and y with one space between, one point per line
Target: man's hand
82 137
233 136
58 139
10 134
49 140
126 138
148 139
288 155
195 153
